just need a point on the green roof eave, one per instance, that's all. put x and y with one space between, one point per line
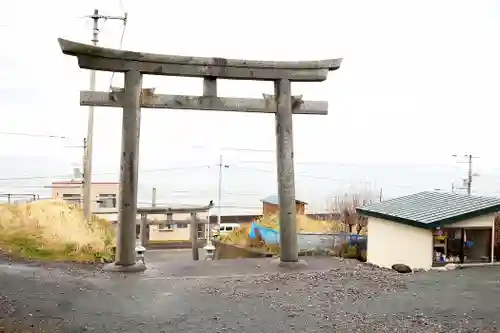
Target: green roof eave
433 225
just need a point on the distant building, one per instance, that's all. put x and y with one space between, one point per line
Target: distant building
270 205
104 195
105 202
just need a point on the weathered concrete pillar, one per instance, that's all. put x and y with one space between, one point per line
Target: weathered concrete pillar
194 236
286 180
143 230
129 173
210 87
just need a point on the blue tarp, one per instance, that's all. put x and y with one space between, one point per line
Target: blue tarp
272 237
358 240
269 236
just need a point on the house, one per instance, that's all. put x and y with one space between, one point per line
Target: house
271 205
242 219
429 229
104 195
233 219
105 202
179 230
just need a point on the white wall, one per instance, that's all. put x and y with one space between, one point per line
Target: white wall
392 243
484 221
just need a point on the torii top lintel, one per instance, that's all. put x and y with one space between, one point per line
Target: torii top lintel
105 59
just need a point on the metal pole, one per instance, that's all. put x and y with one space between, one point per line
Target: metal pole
83 172
286 179
219 194
209 231
470 175
194 236
469 178
87 169
153 198
143 234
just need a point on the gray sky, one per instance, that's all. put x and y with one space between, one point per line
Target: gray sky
418 83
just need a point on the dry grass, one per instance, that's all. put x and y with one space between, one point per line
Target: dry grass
240 237
54 230
304 224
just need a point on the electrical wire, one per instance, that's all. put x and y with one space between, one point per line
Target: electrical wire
298 175
124 28
180 168
190 147
103 24
306 175
122 6
35 135
103 173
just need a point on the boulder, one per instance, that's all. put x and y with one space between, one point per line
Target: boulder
401 268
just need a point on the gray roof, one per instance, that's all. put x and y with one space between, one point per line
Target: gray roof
431 209
274 200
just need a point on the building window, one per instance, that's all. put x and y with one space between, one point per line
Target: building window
170 226
107 201
72 198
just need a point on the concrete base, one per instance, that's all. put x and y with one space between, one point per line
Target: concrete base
113 267
289 264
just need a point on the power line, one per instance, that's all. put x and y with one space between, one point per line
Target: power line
124 28
35 135
305 175
103 173
319 177
57 136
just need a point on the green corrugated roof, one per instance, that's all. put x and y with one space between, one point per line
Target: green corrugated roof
431 209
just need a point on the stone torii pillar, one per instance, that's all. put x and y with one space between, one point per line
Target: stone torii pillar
132 98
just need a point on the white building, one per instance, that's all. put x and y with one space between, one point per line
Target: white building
105 198
430 229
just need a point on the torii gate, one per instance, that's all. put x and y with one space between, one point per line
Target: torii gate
133 97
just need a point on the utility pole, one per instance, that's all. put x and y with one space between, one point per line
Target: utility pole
219 194
153 198
470 175
82 173
87 168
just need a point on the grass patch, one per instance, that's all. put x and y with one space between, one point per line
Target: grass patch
53 230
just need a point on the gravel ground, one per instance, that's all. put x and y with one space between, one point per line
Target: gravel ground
349 297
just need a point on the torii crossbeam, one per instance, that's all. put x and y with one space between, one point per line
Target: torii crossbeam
132 98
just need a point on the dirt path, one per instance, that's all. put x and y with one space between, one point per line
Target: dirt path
176 295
